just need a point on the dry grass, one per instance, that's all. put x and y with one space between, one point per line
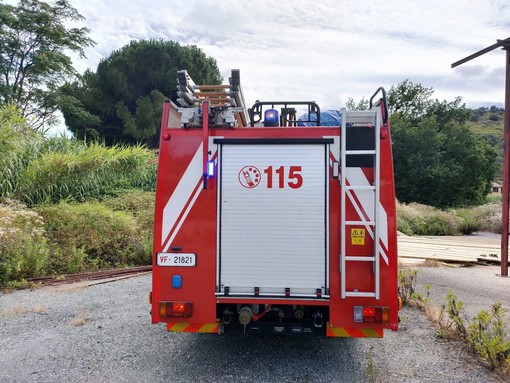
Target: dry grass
82 318
432 263
18 311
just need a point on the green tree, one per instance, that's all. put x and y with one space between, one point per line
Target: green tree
35 40
438 160
409 99
360 105
122 101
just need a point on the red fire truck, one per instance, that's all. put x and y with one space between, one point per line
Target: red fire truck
266 223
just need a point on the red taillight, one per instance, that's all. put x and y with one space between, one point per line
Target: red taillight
371 314
175 309
368 311
178 308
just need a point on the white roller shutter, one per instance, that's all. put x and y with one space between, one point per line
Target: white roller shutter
272 236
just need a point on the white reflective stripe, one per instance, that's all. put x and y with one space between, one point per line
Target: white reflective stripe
182 194
183 218
334 148
355 176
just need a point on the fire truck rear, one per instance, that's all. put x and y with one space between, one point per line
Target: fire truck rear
267 223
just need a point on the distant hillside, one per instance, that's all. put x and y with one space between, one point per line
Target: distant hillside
488 122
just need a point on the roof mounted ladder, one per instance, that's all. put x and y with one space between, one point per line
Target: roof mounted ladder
355 186
224 99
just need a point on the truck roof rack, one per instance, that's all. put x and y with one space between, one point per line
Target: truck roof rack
288 114
227 98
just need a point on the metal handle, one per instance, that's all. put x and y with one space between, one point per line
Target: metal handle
385 103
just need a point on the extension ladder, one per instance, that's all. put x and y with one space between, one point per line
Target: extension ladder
352 181
229 97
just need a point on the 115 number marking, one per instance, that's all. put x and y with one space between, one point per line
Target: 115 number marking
294 178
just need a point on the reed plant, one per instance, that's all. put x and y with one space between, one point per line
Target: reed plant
85 170
35 169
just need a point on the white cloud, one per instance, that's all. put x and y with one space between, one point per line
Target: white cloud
325 50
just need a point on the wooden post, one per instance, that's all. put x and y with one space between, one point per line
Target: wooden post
506 170
505 44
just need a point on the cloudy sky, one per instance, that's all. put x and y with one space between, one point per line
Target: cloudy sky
322 50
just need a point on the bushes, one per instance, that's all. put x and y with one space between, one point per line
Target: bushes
57 237
416 219
69 238
137 202
104 236
488 337
24 251
488 216
426 220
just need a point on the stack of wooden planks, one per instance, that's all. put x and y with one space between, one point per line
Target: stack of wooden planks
455 250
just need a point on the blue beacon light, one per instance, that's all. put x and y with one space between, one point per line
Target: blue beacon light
271 118
210 169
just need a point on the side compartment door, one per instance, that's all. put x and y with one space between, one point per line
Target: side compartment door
273 218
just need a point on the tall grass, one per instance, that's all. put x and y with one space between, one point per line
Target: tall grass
85 170
55 234
37 170
18 146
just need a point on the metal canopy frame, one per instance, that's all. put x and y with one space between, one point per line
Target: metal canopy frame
505 45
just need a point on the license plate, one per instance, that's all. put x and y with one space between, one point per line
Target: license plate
177 259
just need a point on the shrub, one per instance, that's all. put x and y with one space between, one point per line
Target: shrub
141 205
487 336
137 202
486 333
469 223
70 260
488 217
95 233
494 117
420 219
452 317
407 284
24 252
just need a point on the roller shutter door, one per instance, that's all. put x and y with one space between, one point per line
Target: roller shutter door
272 219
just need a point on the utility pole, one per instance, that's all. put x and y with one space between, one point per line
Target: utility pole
505 45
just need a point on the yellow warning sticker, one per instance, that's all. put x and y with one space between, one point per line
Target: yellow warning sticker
358 236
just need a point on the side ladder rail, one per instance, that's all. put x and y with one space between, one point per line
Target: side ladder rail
371 117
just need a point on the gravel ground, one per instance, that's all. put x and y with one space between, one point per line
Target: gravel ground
478 287
102 333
